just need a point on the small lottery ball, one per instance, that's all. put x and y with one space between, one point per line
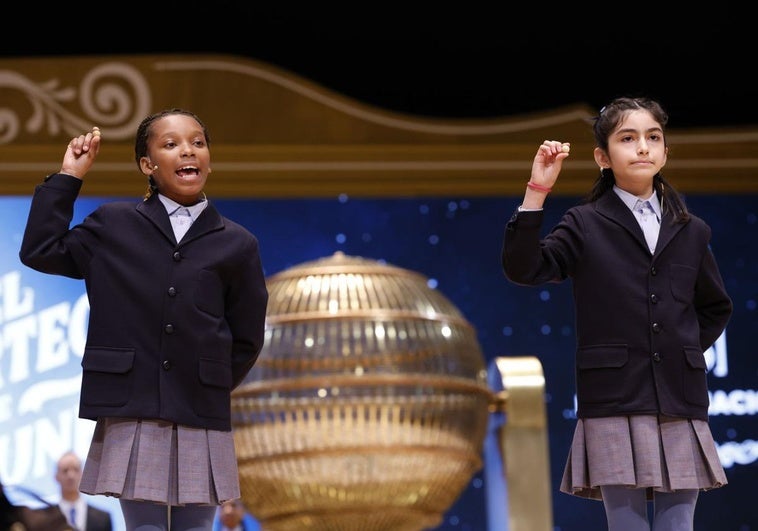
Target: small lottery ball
565 148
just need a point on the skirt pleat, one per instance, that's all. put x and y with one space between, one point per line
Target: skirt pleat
158 461
642 451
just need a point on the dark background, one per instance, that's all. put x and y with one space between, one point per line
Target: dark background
465 60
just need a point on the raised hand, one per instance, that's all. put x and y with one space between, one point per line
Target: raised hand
547 163
81 153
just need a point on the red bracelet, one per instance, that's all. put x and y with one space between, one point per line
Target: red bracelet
538 187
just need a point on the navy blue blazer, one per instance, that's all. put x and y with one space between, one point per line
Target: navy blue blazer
643 321
173 327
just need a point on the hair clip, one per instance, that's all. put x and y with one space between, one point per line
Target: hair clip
602 110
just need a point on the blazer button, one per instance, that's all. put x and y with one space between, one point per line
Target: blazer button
169 329
177 256
656 357
172 292
166 365
653 271
656 327
654 298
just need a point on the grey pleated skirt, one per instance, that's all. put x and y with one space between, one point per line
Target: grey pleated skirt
151 460
642 451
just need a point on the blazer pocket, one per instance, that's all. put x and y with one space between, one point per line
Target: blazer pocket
107 378
682 280
216 373
600 370
209 293
214 399
695 382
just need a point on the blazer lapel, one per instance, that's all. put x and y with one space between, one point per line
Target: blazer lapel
209 220
669 229
612 207
154 210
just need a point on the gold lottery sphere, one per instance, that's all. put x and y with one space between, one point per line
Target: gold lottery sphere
368 406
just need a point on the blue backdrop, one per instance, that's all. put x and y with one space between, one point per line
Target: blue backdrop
456 243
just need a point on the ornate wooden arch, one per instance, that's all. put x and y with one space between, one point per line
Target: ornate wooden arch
277 135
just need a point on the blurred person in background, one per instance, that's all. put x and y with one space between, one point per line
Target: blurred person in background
232 515
78 512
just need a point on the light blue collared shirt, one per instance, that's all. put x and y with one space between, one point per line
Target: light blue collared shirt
182 217
630 200
641 209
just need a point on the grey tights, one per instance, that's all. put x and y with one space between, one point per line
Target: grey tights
626 509
148 516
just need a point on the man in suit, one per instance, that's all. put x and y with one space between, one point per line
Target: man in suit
79 513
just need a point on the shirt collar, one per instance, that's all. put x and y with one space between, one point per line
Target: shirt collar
630 200
194 210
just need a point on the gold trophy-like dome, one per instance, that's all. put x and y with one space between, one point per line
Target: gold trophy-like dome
368 406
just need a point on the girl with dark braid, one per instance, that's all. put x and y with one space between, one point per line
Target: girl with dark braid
177 311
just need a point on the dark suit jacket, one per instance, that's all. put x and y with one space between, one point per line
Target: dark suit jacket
173 327
98 520
8 511
643 321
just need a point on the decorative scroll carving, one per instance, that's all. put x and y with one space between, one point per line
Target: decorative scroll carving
113 95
